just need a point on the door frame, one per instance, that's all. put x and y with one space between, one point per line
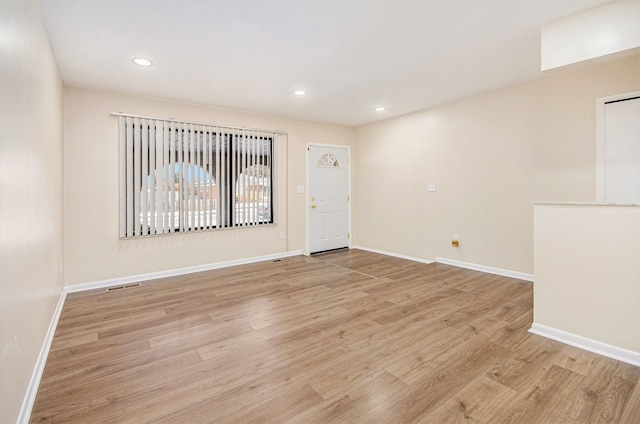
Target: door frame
307 204
600 141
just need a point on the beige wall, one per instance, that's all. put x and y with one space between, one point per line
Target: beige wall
31 196
490 155
587 271
93 251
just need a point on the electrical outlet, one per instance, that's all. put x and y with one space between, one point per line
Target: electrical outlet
283 235
431 187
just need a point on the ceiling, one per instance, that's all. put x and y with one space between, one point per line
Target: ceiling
351 56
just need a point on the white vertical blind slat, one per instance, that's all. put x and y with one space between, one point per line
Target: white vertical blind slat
180 187
122 126
268 183
130 180
184 181
253 211
240 177
137 161
234 180
165 179
202 177
260 179
171 177
202 142
212 180
243 182
219 179
247 178
241 166
144 189
190 178
204 195
186 143
195 151
152 177
227 198
255 171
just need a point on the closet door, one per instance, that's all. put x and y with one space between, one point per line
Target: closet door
622 151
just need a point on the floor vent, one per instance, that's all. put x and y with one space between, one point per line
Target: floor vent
126 286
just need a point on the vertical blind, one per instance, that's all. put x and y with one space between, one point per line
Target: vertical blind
182 177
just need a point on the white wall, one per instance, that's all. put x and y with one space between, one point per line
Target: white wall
588 272
31 245
93 251
490 155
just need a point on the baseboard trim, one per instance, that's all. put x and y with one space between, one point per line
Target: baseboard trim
488 269
396 255
613 352
176 272
36 376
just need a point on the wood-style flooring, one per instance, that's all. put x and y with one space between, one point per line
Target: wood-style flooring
344 337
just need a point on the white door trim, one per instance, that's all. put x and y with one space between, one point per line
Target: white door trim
307 205
600 131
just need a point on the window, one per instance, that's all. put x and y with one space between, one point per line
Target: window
183 177
328 160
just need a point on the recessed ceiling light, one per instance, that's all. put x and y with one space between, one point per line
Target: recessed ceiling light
380 109
299 92
142 61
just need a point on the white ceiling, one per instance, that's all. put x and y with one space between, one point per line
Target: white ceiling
350 55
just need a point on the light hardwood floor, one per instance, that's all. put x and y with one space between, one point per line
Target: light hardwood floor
345 337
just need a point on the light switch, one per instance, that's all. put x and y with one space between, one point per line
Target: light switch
300 189
431 187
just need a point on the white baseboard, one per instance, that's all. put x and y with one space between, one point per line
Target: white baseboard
175 272
614 352
36 376
34 383
397 255
487 269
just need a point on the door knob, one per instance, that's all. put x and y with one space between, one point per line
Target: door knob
313 206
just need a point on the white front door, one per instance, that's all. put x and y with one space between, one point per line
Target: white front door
328 200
